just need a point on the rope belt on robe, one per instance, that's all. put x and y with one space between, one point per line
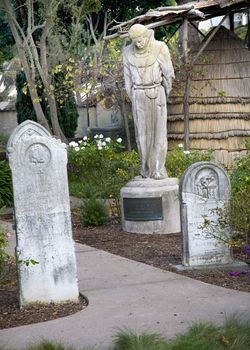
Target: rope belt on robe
143 87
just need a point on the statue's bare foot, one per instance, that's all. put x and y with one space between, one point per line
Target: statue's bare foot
158 176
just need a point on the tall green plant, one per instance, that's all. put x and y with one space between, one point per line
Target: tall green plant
5 185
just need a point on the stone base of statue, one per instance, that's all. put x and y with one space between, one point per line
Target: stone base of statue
151 206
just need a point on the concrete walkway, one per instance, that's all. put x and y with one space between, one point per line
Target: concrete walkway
126 294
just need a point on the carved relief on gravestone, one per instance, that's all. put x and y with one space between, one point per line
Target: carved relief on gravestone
203 188
207 184
38 156
42 210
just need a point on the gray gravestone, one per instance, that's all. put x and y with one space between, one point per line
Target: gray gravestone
42 211
203 187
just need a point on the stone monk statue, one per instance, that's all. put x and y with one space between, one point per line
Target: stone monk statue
149 73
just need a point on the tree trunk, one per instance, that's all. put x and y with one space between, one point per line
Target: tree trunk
24 62
57 131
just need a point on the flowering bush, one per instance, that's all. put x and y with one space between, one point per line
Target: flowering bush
178 160
100 166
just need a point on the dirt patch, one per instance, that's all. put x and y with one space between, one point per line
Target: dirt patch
162 251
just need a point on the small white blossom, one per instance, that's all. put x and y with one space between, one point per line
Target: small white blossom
108 139
101 136
180 145
80 142
73 144
96 136
85 138
77 149
99 147
84 143
82 147
104 143
119 140
186 152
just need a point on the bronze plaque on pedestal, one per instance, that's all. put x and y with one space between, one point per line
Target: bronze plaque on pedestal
143 209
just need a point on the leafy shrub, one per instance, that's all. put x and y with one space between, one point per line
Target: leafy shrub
5 185
239 209
233 224
178 160
4 257
93 212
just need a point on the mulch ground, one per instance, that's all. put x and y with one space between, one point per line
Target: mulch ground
162 251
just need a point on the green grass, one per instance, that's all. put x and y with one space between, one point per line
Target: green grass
233 335
127 340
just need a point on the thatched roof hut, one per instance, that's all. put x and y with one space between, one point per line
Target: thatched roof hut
219 103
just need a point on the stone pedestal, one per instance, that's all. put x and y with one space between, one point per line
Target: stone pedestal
150 206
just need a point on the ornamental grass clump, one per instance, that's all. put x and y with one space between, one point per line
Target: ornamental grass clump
128 340
233 335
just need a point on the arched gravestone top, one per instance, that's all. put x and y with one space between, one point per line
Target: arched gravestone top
24 131
206 180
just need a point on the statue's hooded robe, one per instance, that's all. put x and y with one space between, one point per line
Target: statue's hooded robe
148 80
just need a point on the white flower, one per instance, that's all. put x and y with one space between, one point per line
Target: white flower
73 144
82 147
186 152
96 136
104 143
77 149
101 136
80 142
84 143
180 145
99 147
108 139
85 138
119 140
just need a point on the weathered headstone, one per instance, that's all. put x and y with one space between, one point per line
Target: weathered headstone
42 211
203 187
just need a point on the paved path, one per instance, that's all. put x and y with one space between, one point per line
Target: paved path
126 294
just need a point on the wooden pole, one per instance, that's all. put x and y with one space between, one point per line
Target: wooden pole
187 84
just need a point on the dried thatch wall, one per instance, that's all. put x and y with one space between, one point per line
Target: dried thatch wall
219 99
